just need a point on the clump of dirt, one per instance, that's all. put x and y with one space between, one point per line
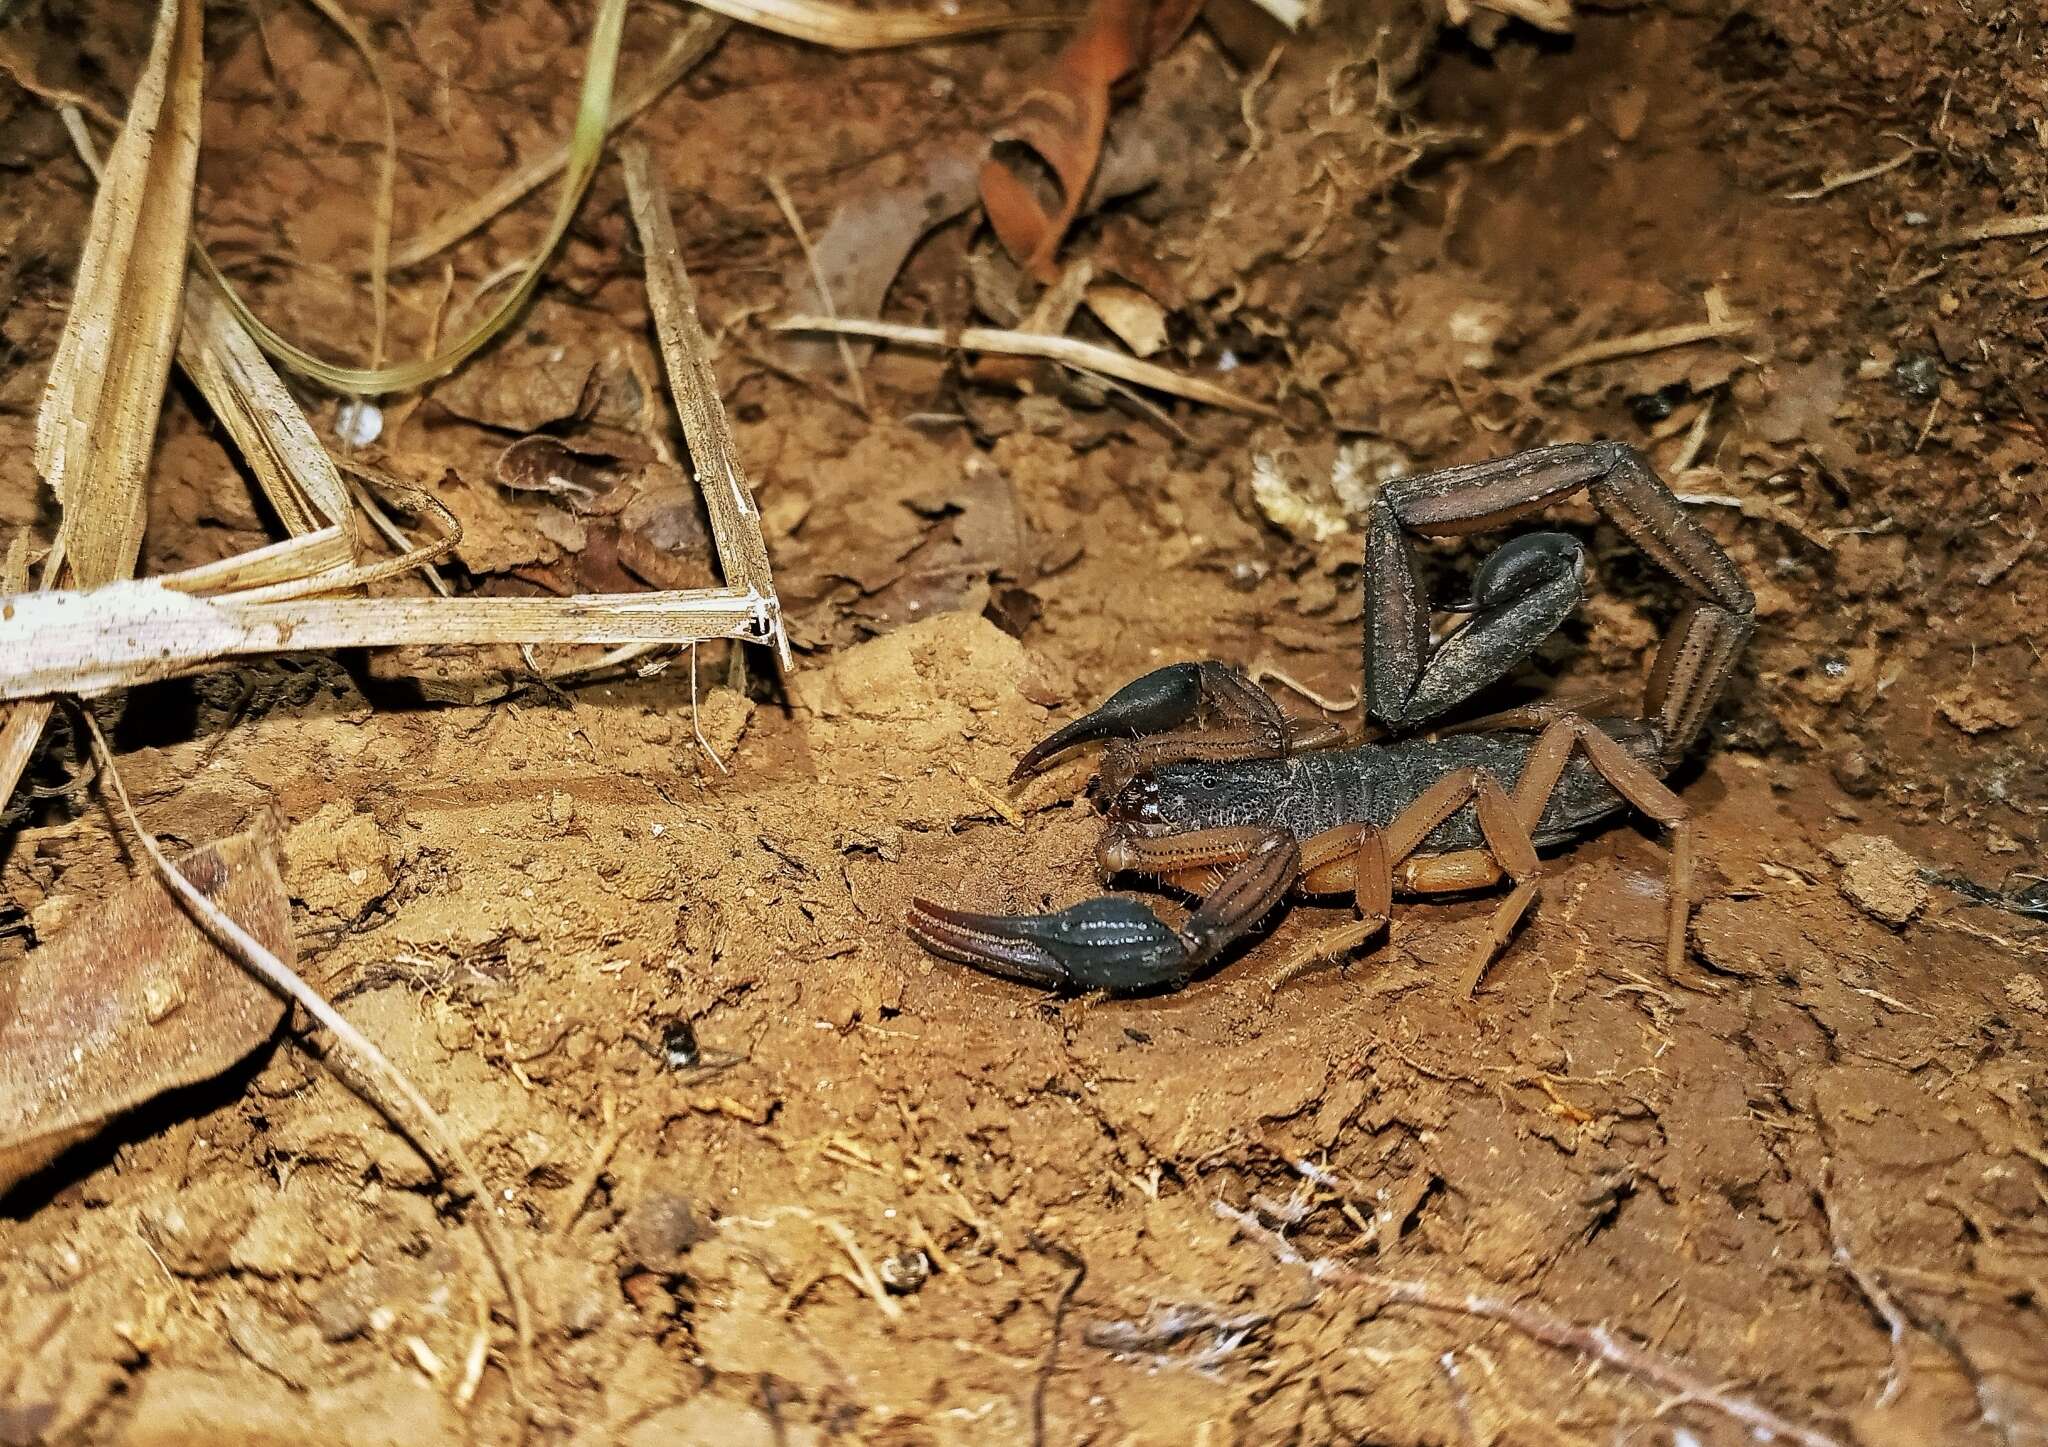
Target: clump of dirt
775 1175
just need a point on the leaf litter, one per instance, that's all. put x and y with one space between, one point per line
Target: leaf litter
527 900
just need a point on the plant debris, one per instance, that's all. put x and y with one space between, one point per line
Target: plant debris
134 999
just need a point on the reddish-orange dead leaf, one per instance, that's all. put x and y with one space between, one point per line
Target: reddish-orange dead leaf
1063 120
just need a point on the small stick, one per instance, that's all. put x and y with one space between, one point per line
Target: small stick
286 981
1083 356
1695 439
1657 339
1663 1372
473 1362
803 240
1059 1322
863 1276
989 797
2005 228
1837 180
600 1156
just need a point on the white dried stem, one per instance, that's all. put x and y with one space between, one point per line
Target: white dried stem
1083 356
686 352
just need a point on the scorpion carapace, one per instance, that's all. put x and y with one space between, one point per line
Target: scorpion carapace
1212 789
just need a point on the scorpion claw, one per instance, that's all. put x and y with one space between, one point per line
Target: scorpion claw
1166 699
1100 944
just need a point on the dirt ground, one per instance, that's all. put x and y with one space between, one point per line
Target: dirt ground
774 1175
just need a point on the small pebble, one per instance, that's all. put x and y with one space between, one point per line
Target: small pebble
340 1315
659 1230
905 1272
1917 376
358 424
1879 878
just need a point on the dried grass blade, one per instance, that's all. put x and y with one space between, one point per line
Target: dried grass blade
698 37
686 352
1657 339
321 558
139 631
260 415
842 27
387 176
586 147
1084 356
268 428
97 425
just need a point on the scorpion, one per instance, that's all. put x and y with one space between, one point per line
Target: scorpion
1213 790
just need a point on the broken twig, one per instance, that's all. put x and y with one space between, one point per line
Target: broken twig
1083 356
1666 1373
1636 344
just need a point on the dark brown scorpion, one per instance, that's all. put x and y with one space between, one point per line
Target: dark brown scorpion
1214 790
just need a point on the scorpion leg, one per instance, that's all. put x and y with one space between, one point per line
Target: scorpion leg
1353 859
1119 944
1545 766
1379 858
1170 698
1635 782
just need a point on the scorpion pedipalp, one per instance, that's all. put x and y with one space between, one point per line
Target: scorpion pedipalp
1107 943
1167 698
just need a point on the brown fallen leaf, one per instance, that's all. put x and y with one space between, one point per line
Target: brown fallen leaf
134 1000
1138 321
1062 120
871 236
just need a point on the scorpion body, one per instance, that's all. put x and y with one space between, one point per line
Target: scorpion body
1212 789
1309 793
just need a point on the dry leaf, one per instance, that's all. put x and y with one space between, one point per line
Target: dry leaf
1063 120
97 424
1138 321
134 1000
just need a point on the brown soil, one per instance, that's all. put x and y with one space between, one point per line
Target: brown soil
1832 1116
